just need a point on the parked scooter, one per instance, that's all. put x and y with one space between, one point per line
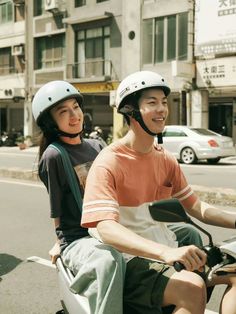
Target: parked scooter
9 138
221 259
6 140
97 134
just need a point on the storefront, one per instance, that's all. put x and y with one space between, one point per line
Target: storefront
98 111
215 49
218 77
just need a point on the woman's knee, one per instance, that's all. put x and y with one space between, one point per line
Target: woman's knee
111 257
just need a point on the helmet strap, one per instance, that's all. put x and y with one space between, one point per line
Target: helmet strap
62 133
70 135
159 138
136 114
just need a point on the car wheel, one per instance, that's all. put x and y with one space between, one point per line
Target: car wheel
188 155
213 161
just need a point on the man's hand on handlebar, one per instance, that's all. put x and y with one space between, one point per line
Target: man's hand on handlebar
55 252
191 257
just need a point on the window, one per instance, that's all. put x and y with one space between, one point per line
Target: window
171 37
173 133
80 3
159 40
147 40
38 7
6 12
183 36
93 47
6 61
165 38
50 51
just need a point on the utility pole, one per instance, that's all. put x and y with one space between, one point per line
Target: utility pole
28 121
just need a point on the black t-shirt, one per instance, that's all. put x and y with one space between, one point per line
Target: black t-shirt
62 201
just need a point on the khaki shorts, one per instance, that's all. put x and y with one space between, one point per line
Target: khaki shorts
145 284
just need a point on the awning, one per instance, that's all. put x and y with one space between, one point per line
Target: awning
77 20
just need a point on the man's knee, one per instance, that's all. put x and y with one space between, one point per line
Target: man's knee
186 288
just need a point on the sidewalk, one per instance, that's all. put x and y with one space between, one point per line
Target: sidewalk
213 195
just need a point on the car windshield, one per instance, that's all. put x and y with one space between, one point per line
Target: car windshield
204 132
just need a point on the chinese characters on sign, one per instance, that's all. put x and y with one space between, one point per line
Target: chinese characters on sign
220 38
219 72
226 7
214 71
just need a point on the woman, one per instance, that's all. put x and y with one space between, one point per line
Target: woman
58 111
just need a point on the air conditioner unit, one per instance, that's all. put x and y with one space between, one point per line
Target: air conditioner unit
15 92
51 6
17 50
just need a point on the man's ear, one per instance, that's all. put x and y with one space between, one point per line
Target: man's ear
127 109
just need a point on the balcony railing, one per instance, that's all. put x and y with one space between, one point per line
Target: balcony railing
91 69
6 70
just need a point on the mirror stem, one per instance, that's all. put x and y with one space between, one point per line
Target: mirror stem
201 229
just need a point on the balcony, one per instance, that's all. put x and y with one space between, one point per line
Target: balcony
8 70
96 70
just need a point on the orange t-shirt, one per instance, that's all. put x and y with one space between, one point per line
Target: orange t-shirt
122 182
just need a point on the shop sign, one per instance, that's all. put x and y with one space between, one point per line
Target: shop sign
216 72
94 88
215 27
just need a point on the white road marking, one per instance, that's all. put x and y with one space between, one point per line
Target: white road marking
201 166
15 181
41 261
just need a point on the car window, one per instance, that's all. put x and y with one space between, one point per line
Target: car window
204 131
173 133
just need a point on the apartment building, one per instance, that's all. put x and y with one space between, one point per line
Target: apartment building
12 66
94 44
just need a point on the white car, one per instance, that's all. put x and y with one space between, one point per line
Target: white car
189 144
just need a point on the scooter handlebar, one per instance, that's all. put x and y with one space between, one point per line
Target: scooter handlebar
214 257
178 266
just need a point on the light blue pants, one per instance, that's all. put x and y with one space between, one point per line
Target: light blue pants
99 274
186 234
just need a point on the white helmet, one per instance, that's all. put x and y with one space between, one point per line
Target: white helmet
51 94
138 81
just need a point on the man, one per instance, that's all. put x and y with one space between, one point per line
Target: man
123 180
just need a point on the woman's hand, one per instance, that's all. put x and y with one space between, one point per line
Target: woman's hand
55 252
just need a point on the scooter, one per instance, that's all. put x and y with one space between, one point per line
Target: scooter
71 303
97 134
221 259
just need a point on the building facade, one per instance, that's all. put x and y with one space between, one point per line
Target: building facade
94 44
12 66
215 55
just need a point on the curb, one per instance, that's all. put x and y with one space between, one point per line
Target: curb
19 173
220 196
225 197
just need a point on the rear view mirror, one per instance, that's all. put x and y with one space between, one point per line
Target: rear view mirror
169 210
